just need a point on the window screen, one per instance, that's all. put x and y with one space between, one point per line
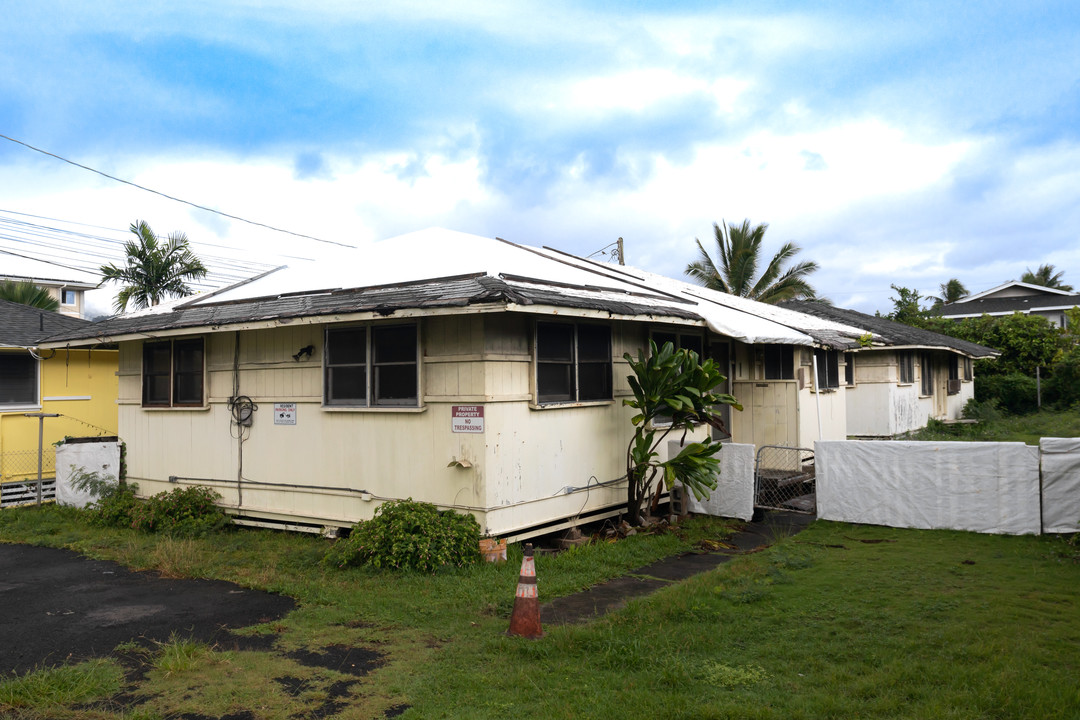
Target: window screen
779 362
173 373
906 360
18 379
927 366
573 362
372 366
828 368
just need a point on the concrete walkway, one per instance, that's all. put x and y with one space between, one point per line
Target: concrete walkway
613 594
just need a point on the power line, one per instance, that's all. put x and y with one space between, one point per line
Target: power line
170 197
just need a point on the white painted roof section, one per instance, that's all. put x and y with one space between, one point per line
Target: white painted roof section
1012 283
25 268
721 309
436 252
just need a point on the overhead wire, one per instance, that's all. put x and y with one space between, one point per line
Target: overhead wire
171 197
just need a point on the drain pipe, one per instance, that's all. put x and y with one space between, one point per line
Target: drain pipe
817 395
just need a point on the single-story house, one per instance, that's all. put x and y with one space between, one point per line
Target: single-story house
469 372
902 377
1013 297
78 386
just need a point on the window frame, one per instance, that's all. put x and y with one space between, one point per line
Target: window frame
905 360
784 361
828 370
74 297
849 369
969 372
174 374
573 365
926 374
372 368
36 401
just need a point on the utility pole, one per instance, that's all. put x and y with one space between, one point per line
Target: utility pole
622 258
40 442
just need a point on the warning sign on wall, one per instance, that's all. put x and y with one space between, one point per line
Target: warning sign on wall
467 418
284 413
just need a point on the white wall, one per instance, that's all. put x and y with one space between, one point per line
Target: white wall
1061 484
92 457
734 494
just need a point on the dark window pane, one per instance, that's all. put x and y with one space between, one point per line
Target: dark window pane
594 381
554 382
18 379
395 385
849 369
346 385
157 373
594 343
346 346
189 356
691 342
927 374
779 362
189 390
395 344
157 358
555 342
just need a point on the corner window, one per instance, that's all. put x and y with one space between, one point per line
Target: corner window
573 362
906 360
18 379
927 366
828 368
779 362
173 373
372 366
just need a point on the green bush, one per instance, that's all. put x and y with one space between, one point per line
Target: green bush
410 535
113 501
183 512
1062 388
984 411
1016 394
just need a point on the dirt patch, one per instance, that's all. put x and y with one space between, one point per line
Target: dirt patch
348 660
71 608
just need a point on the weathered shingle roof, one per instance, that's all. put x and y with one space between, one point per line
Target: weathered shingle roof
891 332
1008 305
24 326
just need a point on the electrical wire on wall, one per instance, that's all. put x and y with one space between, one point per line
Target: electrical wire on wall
242 409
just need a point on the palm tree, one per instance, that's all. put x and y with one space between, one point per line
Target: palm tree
951 291
739 251
154 269
27 293
1046 277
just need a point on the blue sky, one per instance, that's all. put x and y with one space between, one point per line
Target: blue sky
904 143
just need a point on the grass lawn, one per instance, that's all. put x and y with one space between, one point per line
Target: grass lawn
840 621
1012 428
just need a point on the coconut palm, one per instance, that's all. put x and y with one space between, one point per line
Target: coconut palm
27 293
951 291
1046 277
739 249
154 270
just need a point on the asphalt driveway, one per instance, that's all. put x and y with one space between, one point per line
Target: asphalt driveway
58 607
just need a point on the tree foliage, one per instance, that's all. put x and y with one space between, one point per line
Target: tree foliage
735 268
951 291
1046 277
677 387
27 293
153 270
906 308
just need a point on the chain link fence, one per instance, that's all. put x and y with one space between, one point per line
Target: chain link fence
784 479
18 476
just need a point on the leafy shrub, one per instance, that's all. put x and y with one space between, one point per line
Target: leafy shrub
1016 394
113 501
985 411
1062 388
183 512
410 535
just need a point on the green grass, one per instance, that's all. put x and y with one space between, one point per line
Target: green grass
1016 428
893 624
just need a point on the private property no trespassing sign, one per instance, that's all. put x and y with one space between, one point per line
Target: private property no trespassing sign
467 418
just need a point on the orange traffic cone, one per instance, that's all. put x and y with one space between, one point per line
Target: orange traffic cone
525 620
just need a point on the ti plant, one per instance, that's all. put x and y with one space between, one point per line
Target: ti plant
676 388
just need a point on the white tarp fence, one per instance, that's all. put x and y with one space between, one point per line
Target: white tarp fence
1061 484
982 487
734 493
71 458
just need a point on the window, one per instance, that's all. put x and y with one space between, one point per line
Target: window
967 370
927 363
372 366
173 373
681 341
18 379
779 362
828 368
573 362
67 297
906 359
849 369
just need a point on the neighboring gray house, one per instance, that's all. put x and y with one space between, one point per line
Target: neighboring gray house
904 376
1013 297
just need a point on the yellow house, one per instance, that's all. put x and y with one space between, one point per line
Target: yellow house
74 389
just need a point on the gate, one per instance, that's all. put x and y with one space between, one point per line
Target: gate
784 479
